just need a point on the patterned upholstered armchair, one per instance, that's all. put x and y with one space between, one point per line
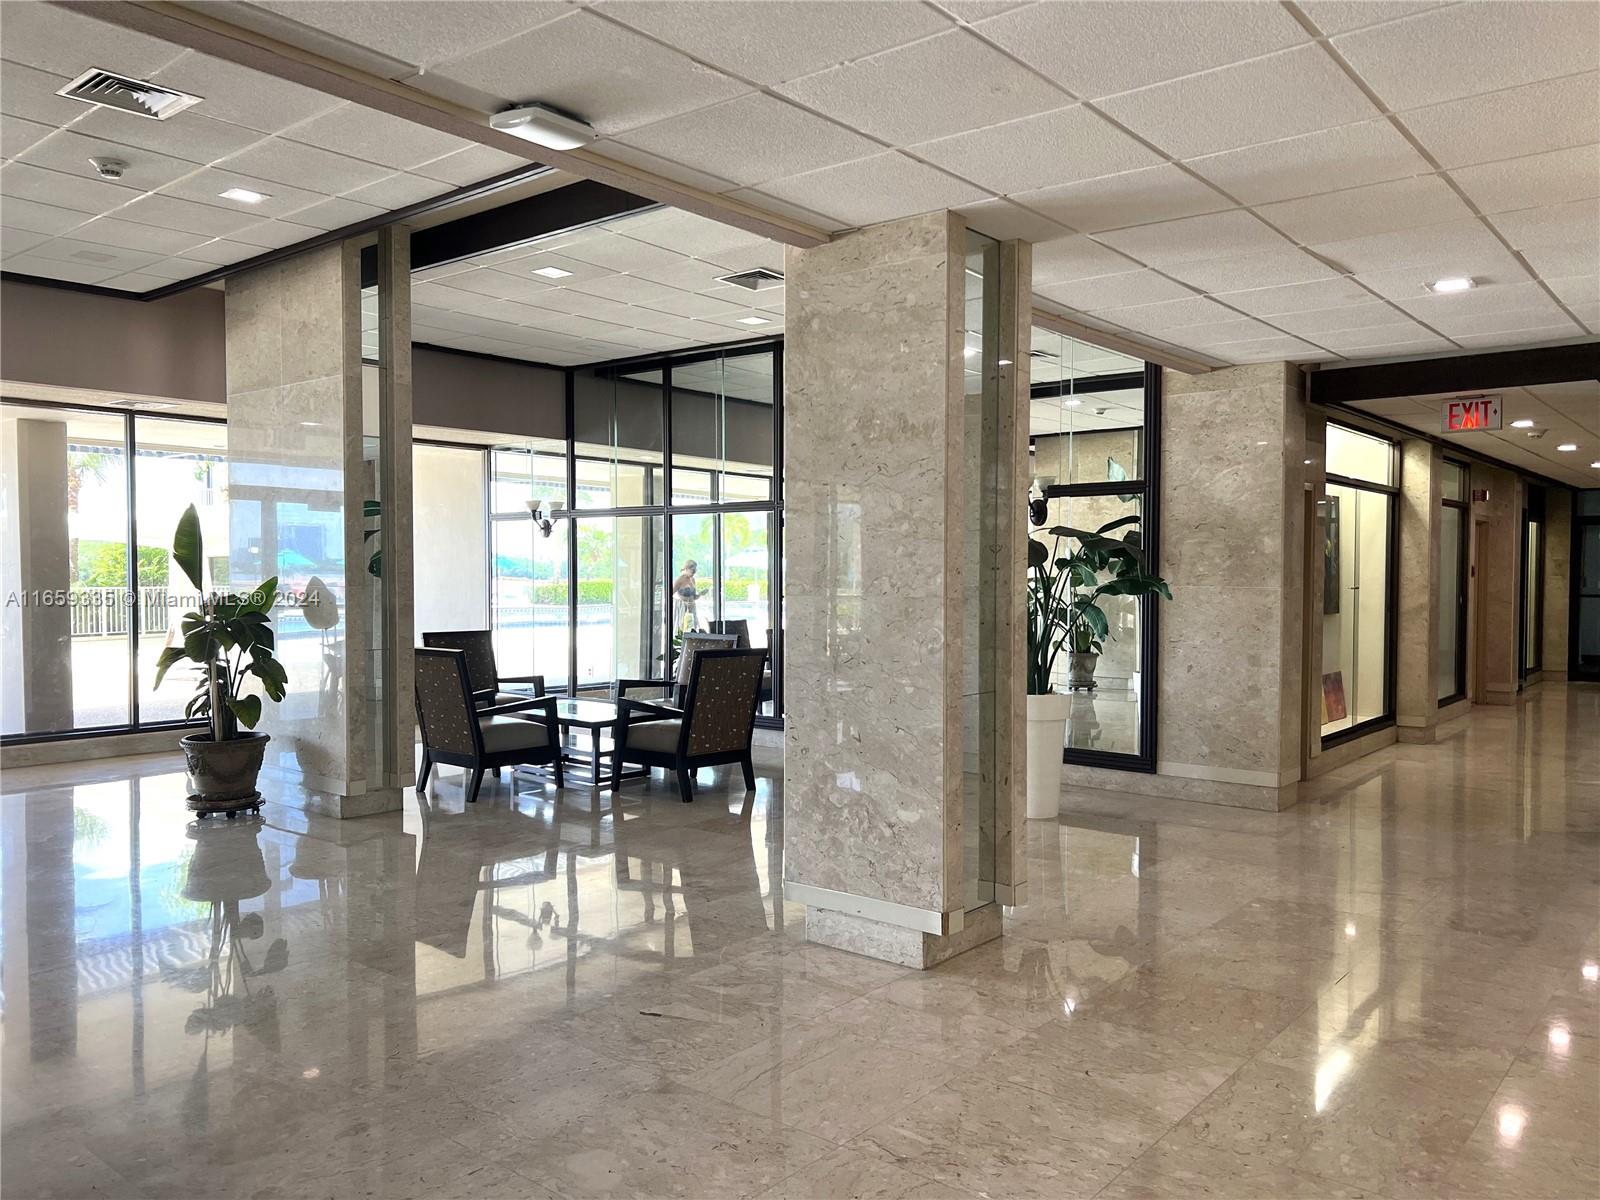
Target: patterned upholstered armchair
457 732
713 727
487 682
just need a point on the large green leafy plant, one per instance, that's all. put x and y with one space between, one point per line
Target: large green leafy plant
1067 579
229 639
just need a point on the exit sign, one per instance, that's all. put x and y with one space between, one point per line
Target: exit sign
1470 413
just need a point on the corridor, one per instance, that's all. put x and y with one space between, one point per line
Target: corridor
1392 990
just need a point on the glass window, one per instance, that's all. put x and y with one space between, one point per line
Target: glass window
1356 455
530 593
1355 606
694 548
1532 649
618 423
621 593
1453 485
176 464
1452 601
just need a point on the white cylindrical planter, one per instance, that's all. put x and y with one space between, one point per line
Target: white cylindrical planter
1047 729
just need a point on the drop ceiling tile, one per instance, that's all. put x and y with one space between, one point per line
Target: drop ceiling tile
335 213
667 169
795 212
1538 179
69 43
502 285
1069 258
615 252
273 235
398 190
206 186
417 32
172 212
1374 314
1196 239
1364 211
1549 115
190 135
611 77
16 135
1588 313
1439 311
1408 283
18 241
576 305
1520 337
1555 262
1544 316
93 254
50 268
1451 241
308 167
471 165
1298 297
1097 49
977 86
1047 150
1134 198
31 94
137 282
1578 289
751 139
1005 221
779 39
1345 157
170 269
24 182
1371 339
40 218
69 153
876 189
241 96
1469 49
1273 349
1170 316
626 289
1574 223
687 304
130 235
353 131
219 252
1343 16
1292 92
1241 272
1115 291
1210 335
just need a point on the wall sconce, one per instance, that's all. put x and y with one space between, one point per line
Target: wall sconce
545 524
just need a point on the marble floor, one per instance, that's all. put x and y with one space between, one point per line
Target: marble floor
1391 990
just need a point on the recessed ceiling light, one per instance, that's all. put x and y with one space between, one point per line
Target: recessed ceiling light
1567 447
1522 424
754 321
552 272
1595 465
1452 283
244 195
1071 402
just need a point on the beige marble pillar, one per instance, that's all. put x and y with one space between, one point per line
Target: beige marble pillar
1233 520
308 449
1497 541
876 441
1557 580
1420 512
35 637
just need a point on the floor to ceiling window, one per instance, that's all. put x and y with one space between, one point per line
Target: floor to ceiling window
91 596
1584 661
1358 583
1092 450
1454 520
1530 657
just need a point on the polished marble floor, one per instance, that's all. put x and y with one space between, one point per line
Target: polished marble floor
1388 991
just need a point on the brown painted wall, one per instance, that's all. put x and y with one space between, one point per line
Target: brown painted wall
491 395
171 347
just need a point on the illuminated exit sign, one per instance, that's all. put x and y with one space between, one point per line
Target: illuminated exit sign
1467 414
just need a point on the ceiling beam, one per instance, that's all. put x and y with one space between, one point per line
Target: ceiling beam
1457 373
197 30
1165 356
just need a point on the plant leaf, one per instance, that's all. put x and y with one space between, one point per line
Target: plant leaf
187 549
247 709
169 656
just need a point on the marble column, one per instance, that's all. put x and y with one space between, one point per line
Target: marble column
877 442
1417 621
1497 536
36 695
308 451
1557 580
1230 709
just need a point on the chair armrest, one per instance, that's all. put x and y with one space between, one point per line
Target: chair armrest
623 686
547 703
653 712
536 680
484 693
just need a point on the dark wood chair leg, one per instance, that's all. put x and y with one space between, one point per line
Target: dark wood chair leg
749 773
561 775
472 788
686 784
425 770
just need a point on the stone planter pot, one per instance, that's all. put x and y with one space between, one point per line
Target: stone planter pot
1080 670
1047 728
222 775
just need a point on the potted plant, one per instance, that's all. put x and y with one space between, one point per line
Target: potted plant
229 639
1065 587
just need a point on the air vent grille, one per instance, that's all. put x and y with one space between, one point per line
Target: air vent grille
754 280
130 95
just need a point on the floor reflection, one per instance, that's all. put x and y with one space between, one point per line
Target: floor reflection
1392 989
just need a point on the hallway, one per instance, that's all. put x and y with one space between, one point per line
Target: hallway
1389 990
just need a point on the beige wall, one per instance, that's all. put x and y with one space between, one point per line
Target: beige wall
1497 526
1557 580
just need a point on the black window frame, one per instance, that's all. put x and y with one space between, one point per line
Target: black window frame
1533 514
1463 578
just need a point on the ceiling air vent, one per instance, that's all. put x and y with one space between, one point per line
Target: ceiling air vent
754 280
130 95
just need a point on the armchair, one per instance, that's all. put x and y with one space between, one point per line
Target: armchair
457 732
478 646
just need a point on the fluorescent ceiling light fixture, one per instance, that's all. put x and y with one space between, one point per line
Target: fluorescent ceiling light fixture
1525 423
543 125
245 195
1595 465
754 321
1451 283
1567 447
552 272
